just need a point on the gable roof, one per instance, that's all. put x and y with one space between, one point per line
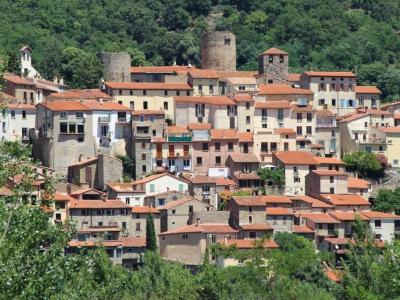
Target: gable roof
145 210
83 105
357 183
147 86
329 173
203 73
296 158
347 216
368 89
256 227
156 176
316 203
380 215
94 204
199 126
320 218
202 228
282 89
273 104
278 211
275 51
345 199
329 74
244 157
80 94
179 202
328 160
248 201
223 134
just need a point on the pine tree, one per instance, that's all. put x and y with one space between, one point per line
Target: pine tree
151 243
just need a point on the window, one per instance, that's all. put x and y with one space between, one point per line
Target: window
284 218
186 163
199 161
145 105
281 58
333 102
299 117
132 104
205 146
152 187
23 114
247 105
144 92
230 146
200 88
127 200
165 105
264 147
373 101
270 59
211 88
309 130
264 125
332 190
309 117
322 87
250 208
165 93
321 102
63 127
24 132
154 132
143 145
252 234
85 212
130 92
137 226
120 92
378 223
381 148
185 236
72 127
217 147
331 179
247 119
143 156
120 102
274 220
218 160
280 114
141 118
205 188
79 114
161 202
250 220
299 130
173 211
144 170
13 114
180 186
190 208
264 114
286 146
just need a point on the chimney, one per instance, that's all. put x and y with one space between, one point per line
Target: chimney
55 79
104 197
225 240
61 81
197 221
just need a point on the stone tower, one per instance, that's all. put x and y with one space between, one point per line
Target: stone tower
116 66
218 51
274 64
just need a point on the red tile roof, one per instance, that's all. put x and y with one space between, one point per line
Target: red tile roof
199 126
357 183
285 131
282 89
203 73
345 199
273 104
62 197
156 176
324 113
221 181
379 215
160 69
243 98
248 201
296 158
202 228
146 112
86 105
328 160
276 199
320 218
293 77
329 74
94 204
244 157
147 86
390 129
278 211
211 100
307 108
347 216
337 241
245 137
223 134
17 79
21 106
199 179
256 227
302 229
369 89
316 203
248 244
223 75
181 201
329 173
145 210
80 94
176 129
274 51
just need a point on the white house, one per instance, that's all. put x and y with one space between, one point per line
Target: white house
16 121
382 224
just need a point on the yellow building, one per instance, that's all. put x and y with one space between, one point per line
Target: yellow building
392 137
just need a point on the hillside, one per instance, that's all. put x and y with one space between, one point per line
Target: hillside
359 35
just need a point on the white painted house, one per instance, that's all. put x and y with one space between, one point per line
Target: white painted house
16 121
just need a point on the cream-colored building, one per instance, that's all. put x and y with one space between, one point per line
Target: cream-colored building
332 90
327 132
391 135
148 95
245 112
368 96
204 82
280 92
326 182
235 85
16 122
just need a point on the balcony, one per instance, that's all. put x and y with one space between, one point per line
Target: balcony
104 119
326 124
123 120
179 139
376 141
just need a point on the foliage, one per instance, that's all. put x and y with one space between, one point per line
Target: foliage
151 241
128 166
276 176
387 201
328 34
364 164
242 193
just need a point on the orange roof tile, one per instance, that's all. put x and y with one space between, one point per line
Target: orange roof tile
244 157
329 173
302 229
285 131
307 108
245 176
199 126
379 215
329 74
390 129
337 241
293 77
276 199
221 181
369 89
147 86
320 218
145 210
273 104
332 275
278 211
80 94
223 75
21 106
282 89
211 100
249 201
94 204
156 176
146 112
243 97
248 244
256 227
324 113
357 183
274 51
328 160
62 197
160 69
181 201
202 228
316 203
223 134
86 105
199 179
17 79
176 129
120 187
347 216
296 158
203 73
245 137
345 199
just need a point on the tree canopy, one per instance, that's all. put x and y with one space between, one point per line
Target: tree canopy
365 164
352 35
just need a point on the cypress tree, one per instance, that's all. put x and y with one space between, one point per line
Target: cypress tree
151 243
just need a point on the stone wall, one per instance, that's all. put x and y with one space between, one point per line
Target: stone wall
218 51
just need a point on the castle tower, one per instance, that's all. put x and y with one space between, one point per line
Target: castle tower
274 64
218 51
116 66
27 70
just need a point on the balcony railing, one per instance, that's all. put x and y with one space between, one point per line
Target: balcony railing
179 139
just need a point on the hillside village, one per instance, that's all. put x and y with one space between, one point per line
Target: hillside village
198 137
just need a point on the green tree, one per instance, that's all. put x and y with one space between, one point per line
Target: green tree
387 201
151 241
274 176
363 163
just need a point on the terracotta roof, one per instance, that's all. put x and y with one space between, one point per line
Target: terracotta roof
357 183
17 79
221 181
145 210
181 201
223 75
386 106
332 275
293 77
245 137
320 218
160 69
345 199
256 227
285 131
316 203
347 216
131 242
324 113
302 229
296 158
379 215
93 204
146 112
242 80
307 108
202 228
84 161
176 129
273 104
156 176
199 179
147 86
249 201
361 112
246 176
275 51
248 244
369 89
199 126
390 129
282 89
329 173
121 187
276 199
337 241
203 73
85 190
21 106
80 94
244 157
317 146
86 105
223 134
243 97
278 211
328 160
211 100
62 197
329 74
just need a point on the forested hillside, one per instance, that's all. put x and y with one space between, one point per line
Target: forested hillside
359 35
